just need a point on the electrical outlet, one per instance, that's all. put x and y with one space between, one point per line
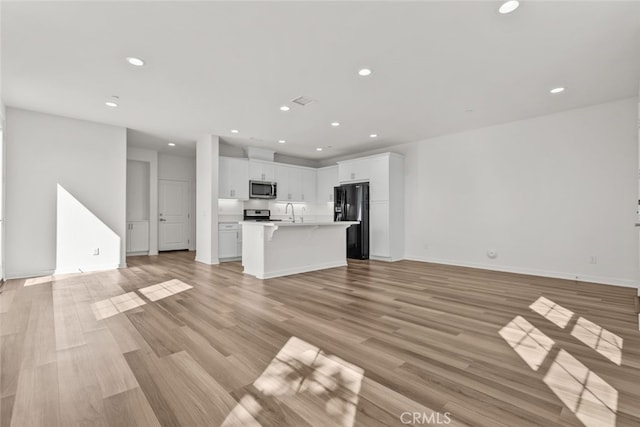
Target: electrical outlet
593 259
425 247
96 251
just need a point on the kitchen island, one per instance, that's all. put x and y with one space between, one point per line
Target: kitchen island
274 249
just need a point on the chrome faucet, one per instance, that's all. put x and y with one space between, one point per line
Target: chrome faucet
293 212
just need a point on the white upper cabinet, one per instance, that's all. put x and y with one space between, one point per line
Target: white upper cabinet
233 178
282 179
295 183
262 171
354 170
308 184
327 179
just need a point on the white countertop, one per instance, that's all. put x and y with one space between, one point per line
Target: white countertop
298 224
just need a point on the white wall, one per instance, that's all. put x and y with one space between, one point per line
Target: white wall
151 158
87 159
546 193
182 169
83 242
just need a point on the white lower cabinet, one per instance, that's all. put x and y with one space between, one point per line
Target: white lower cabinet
229 241
137 236
379 229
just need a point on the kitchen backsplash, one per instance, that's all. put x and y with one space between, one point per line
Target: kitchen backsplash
232 210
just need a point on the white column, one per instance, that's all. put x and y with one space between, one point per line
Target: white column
207 199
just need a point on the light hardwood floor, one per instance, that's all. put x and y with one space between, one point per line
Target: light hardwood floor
371 344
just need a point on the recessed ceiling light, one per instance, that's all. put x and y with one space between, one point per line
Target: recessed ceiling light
111 104
281 141
335 124
364 72
135 61
284 108
319 149
234 130
557 90
172 144
509 6
373 135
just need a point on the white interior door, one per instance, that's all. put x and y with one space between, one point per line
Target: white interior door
173 210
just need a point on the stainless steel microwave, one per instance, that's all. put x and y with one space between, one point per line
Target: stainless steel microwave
263 190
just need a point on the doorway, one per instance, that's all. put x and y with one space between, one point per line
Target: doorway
174 216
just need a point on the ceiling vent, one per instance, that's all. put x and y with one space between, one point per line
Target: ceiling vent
302 100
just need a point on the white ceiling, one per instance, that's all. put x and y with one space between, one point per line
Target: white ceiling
216 66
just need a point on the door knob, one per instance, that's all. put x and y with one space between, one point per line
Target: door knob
162 219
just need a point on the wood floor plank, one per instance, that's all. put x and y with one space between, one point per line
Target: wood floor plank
197 397
111 369
68 329
6 410
80 396
152 383
11 360
426 339
130 408
36 399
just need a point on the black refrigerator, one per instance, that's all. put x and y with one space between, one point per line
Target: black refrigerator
351 203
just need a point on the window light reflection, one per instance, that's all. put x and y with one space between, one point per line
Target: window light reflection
601 340
587 395
298 369
528 341
552 312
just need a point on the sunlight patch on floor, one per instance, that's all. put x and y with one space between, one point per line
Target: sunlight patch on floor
593 401
38 280
587 395
552 312
301 369
601 340
164 289
528 341
119 304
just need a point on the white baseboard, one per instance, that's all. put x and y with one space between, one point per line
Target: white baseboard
385 259
28 274
87 268
295 270
534 272
215 261
143 253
